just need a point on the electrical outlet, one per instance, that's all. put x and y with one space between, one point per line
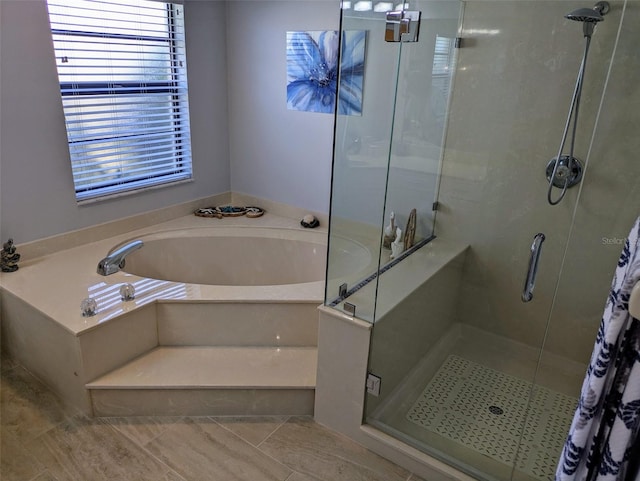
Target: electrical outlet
373 384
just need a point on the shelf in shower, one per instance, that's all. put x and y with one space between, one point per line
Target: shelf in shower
404 277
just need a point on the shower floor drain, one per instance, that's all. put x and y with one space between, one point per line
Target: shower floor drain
486 411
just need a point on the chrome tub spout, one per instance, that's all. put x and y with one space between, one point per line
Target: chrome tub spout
115 261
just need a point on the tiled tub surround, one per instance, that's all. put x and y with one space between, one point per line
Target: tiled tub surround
193 331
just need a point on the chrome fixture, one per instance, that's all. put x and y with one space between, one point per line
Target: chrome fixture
127 292
589 16
402 26
350 308
532 271
88 307
115 260
567 171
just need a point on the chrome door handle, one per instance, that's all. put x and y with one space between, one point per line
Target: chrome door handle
532 272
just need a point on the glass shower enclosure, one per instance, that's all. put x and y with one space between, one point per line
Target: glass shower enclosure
451 150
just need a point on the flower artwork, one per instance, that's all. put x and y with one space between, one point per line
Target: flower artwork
312 71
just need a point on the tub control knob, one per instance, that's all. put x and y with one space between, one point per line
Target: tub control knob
127 292
88 307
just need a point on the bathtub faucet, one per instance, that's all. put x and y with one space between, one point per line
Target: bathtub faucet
115 261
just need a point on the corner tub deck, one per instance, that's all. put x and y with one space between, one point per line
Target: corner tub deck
200 347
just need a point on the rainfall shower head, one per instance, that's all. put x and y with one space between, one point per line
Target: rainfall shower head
589 16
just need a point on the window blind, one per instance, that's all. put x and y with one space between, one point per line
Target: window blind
123 80
443 64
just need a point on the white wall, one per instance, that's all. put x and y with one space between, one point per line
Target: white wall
243 137
277 154
36 188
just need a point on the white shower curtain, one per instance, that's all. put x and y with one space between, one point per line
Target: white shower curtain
602 444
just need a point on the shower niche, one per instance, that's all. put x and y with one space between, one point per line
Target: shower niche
460 125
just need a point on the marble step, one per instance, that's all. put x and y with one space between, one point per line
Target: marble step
207 381
237 323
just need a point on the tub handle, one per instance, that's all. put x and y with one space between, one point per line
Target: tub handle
532 271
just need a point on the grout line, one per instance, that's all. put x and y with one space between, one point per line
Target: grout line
352 462
215 420
309 476
256 447
44 471
67 411
271 433
153 456
174 419
24 446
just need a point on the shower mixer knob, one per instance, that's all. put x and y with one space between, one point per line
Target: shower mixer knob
566 172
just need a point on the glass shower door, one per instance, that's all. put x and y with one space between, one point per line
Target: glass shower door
608 206
464 376
384 185
360 166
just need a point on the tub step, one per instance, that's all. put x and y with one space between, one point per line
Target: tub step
238 323
206 381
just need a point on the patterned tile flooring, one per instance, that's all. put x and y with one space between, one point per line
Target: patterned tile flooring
489 412
44 441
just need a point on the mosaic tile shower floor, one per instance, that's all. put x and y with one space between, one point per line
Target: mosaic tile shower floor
485 410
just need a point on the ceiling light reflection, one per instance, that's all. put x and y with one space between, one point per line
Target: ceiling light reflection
383 7
482 31
363 6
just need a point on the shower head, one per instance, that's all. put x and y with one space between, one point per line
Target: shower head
589 16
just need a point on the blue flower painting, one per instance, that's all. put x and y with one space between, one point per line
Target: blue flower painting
312 71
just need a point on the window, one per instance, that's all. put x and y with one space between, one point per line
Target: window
123 79
443 64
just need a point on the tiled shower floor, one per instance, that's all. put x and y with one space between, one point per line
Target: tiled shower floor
485 410
465 403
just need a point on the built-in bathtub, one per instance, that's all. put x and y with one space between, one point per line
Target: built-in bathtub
247 344
231 256
200 283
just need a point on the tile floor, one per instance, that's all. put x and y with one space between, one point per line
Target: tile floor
44 441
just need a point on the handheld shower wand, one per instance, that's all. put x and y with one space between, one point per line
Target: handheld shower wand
564 171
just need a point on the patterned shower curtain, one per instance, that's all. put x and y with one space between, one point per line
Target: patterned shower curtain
603 444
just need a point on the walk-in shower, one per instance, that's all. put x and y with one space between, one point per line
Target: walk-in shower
457 126
565 170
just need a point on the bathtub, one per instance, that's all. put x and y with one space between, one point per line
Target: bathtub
200 284
239 256
231 256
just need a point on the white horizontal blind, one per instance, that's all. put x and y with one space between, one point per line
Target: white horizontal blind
443 64
123 79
